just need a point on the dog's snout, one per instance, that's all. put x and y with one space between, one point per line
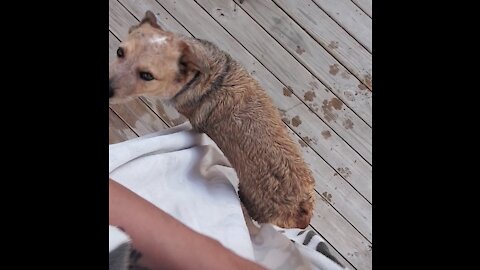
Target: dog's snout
110 91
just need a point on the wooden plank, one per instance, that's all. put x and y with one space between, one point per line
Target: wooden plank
351 244
306 49
351 18
365 5
279 25
303 47
335 149
333 251
117 19
352 168
334 189
293 74
139 117
168 114
347 229
118 131
328 33
283 65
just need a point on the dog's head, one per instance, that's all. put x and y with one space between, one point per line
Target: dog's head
153 62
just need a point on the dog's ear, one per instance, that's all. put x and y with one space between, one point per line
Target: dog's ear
190 61
148 18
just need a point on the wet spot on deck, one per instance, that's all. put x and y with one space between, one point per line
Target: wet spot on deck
296 121
287 91
334 69
302 143
299 50
345 172
348 124
309 96
333 45
326 134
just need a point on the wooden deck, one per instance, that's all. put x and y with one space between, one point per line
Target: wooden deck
314 59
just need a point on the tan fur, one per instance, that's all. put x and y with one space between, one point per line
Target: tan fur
226 103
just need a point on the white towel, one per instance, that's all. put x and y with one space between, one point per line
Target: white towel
185 174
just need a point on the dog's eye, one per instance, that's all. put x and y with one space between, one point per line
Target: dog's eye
146 76
120 53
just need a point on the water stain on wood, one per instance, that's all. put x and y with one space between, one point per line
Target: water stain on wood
334 69
309 96
336 103
307 139
328 107
302 143
345 172
327 196
299 50
296 121
287 91
326 134
348 124
333 45
362 87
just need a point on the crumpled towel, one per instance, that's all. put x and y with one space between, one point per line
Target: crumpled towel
185 174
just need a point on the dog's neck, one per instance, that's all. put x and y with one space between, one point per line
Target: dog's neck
200 87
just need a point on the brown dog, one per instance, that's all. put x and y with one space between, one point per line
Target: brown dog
221 99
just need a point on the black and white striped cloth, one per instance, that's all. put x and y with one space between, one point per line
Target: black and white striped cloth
309 239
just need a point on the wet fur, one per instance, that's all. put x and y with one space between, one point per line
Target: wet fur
221 99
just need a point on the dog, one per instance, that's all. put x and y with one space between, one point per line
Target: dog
222 100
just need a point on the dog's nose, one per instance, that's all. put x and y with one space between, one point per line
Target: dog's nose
110 91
